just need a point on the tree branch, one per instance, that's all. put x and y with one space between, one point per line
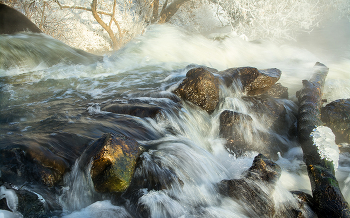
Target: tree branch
170 11
82 8
107 28
155 11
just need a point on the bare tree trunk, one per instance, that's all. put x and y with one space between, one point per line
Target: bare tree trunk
169 11
110 32
42 17
155 11
326 192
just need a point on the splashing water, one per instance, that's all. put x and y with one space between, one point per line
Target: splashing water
42 100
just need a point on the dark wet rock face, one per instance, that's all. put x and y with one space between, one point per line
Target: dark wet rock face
336 115
150 175
201 88
34 164
12 21
114 160
253 81
29 204
236 127
272 109
264 169
138 110
255 189
232 125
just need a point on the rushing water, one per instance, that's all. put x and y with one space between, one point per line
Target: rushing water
49 100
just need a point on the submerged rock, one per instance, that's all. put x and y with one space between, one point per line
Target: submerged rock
254 191
138 110
253 81
114 160
201 88
336 115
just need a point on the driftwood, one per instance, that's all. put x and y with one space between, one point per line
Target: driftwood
325 188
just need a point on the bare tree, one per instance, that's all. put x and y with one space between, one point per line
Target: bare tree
96 14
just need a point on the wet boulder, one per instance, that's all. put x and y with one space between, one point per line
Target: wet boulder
253 81
255 189
114 159
31 163
336 115
12 21
272 110
26 202
150 175
278 91
232 127
138 109
201 88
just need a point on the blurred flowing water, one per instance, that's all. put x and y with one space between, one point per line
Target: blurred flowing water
48 99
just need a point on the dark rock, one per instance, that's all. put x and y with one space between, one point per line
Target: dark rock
231 127
336 115
138 110
29 204
149 175
114 160
201 88
253 81
238 129
31 163
12 21
264 169
272 109
306 205
254 191
278 91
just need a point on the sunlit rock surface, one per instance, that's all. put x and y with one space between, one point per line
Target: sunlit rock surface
113 162
253 81
278 91
201 88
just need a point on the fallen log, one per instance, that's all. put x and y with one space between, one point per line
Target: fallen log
325 188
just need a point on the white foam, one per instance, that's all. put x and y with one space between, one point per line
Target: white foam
324 139
11 198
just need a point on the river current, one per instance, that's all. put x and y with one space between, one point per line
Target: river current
49 100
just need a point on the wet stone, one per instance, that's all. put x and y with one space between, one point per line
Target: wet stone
250 191
336 115
38 165
278 91
253 81
201 88
138 110
114 159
